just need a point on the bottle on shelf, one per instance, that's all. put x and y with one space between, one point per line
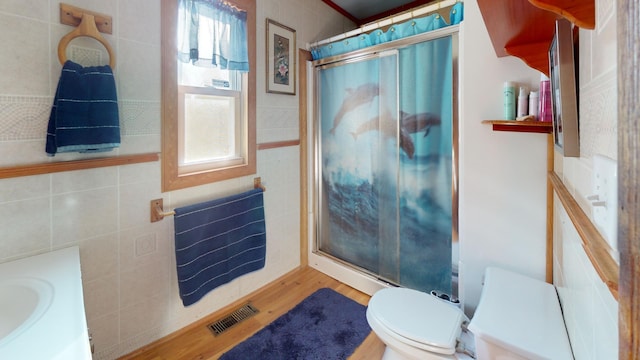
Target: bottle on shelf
533 104
509 101
544 112
523 104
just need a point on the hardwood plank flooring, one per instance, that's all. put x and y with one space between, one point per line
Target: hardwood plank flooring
196 341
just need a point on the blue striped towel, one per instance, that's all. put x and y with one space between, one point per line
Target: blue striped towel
217 241
84 116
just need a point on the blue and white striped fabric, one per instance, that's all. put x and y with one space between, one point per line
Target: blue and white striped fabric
217 241
84 116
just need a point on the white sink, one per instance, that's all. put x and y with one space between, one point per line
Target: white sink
22 302
42 308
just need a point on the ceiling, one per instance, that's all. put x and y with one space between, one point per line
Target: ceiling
365 11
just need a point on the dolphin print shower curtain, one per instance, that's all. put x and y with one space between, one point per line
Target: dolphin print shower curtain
384 157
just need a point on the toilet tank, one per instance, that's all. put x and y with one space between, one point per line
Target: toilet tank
519 318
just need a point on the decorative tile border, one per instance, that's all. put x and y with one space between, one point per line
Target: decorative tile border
139 117
598 117
26 117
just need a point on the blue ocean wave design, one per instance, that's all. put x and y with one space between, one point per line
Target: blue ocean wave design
386 164
419 228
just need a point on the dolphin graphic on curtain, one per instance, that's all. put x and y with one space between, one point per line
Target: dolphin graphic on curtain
385 130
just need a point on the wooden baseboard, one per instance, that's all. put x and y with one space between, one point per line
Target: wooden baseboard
213 316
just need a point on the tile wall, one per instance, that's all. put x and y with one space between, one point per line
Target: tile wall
591 312
127 262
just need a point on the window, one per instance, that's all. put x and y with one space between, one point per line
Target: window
208 91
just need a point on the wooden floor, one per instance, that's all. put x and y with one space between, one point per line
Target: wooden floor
197 341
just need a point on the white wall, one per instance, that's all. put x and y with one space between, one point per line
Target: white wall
502 174
591 312
128 265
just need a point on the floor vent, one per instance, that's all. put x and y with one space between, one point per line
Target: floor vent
235 317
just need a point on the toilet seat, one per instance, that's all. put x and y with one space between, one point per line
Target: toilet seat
417 319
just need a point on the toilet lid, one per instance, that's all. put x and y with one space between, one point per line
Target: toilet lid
418 316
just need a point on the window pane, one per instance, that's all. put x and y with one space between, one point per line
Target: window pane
209 128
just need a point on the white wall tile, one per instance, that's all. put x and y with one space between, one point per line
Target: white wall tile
104 7
144 245
34 9
606 318
136 173
140 21
135 200
25 58
138 68
25 229
99 256
143 282
140 144
143 317
604 38
76 216
22 152
105 332
23 188
101 296
82 180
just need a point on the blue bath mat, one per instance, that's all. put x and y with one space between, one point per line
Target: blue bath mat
326 325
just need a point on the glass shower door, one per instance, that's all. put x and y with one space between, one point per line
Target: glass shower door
384 163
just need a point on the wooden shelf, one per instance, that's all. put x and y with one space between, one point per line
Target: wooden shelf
580 12
520 126
525 29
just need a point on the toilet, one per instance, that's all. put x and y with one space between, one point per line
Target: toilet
517 318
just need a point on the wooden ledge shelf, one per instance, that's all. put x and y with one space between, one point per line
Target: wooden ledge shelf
520 126
60 166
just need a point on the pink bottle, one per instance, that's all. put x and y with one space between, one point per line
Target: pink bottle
545 113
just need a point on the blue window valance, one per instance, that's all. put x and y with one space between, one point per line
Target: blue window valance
212 33
394 32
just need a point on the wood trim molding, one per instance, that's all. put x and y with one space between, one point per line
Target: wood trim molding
549 249
594 244
278 144
60 166
628 44
303 57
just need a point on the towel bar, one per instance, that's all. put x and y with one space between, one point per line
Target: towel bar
157 212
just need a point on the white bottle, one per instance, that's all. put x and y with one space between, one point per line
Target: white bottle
533 104
522 102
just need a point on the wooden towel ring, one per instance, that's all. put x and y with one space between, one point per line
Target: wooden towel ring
87 28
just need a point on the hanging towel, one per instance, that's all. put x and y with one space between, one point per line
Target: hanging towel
84 115
217 241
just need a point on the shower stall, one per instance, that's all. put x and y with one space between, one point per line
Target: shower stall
385 161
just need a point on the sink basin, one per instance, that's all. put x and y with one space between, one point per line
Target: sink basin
22 302
42 308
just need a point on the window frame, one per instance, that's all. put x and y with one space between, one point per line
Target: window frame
171 177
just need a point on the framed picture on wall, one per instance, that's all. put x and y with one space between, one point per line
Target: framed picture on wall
281 58
564 99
